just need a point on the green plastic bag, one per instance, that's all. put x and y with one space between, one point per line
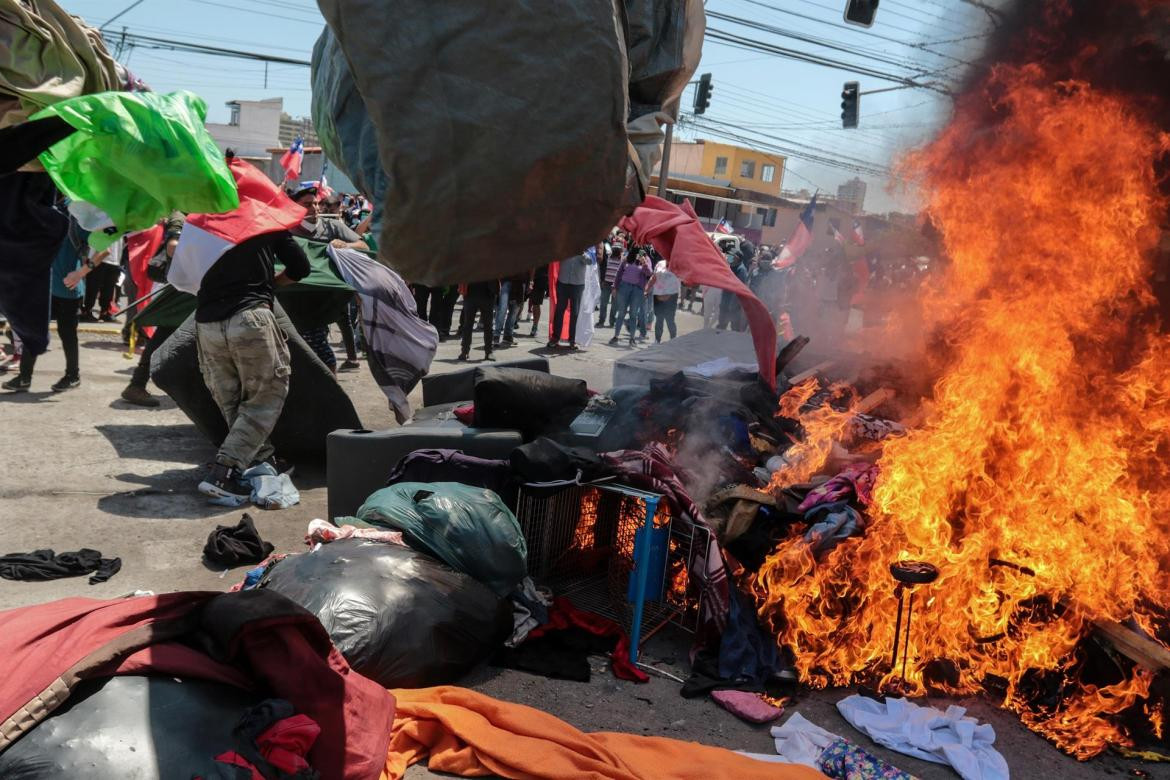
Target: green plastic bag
138 156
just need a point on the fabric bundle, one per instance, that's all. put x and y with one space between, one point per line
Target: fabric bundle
138 157
236 545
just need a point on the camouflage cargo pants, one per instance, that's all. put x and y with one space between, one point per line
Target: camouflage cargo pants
245 364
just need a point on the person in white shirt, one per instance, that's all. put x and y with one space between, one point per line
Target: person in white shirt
665 287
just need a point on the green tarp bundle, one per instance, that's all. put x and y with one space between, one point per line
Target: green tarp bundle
312 302
138 156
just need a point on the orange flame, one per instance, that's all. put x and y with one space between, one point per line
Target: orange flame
823 426
1044 445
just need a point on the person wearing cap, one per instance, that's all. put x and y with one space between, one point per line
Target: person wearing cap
319 228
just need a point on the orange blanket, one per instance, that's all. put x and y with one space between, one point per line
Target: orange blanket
468 734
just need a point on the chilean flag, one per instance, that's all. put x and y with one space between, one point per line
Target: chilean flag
858 236
264 208
837 234
723 227
292 159
801 238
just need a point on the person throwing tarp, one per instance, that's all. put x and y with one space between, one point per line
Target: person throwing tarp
228 261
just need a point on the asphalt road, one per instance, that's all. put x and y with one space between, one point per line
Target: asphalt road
84 469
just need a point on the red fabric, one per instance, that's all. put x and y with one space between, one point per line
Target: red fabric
677 235
554 273
264 208
287 655
140 247
284 744
465 414
291 161
562 614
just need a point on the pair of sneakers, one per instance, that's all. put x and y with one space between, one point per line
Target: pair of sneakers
20 384
223 481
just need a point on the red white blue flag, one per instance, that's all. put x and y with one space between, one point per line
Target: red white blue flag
801 238
723 227
858 236
292 159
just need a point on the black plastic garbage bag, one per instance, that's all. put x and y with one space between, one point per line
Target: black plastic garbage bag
399 616
531 402
144 728
499 154
315 407
466 527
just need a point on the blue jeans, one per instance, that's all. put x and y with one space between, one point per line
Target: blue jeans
629 299
502 311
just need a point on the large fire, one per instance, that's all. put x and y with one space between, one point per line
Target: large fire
1038 479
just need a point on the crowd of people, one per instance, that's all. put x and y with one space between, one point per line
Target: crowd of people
244 359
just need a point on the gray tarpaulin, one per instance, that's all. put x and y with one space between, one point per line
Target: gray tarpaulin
502 131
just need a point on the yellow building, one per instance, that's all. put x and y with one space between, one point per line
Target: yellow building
745 169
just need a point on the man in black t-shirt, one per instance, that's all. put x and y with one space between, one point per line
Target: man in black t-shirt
243 354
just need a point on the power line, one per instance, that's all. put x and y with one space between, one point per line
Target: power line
812 40
739 41
150 42
921 45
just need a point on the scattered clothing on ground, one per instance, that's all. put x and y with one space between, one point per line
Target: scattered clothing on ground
323 532
269 489
747 706
235 545
950 737
41 565
799 741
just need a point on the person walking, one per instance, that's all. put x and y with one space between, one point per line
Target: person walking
570 288
631 278
665 288
479 298
136 392
537 295
512 295
67 288
608 284
101 283
243 354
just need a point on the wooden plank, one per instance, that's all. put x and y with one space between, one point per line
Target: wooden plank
1134 646
874 400
804 376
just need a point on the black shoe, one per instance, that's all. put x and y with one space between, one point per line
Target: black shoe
614 340
490 356
508 340
224 482
554 343
463 356
573 347
17 384
532 335
633 343
349 365
281 465
66 383
107 317
87 317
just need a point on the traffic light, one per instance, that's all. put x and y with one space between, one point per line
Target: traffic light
703 93
850 100
861 12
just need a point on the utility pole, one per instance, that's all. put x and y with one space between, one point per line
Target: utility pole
702 101
664 168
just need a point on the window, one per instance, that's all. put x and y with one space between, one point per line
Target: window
767 216
747 169
234 121
767 173
720 166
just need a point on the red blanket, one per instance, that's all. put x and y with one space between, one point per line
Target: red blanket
262 641
677 235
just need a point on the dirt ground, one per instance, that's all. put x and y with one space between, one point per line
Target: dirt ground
84 469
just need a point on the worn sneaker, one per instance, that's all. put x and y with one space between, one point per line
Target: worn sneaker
614 340
17 384
107 317
133 394
349 365
224 482
87 316
66 383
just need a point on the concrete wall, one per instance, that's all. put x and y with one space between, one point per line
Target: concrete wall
258 128
310 170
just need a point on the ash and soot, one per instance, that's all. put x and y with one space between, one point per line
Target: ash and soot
1037 475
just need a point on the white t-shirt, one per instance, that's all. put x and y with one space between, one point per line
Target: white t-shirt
115 255
665 283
